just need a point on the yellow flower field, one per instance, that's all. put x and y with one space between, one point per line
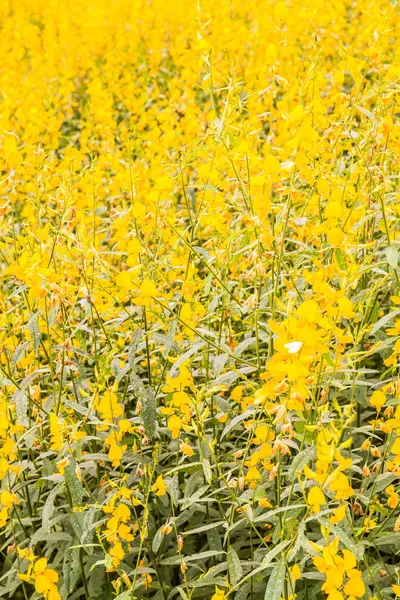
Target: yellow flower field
200 300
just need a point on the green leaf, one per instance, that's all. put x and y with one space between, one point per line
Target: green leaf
275 582
174 371
244 592
367 113
174 490
138 387
71 569
195 497
341 259
182 593
21 406
16 357
34 331
12 583
127 595
356 549
388 540
207 470
88 527
204 528
301 460
275 511
234 567
385 320
158 540
149 412
392 256
202 555
169 340
302 543
269 557
383 481
219 363
214 540
42 534
48 507
75 487
133 347
235 421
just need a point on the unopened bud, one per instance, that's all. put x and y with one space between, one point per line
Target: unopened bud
273 473
365 445
139 471
376 453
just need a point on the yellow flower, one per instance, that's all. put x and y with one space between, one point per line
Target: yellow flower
341 486
335 595
44 581
315 498
109 407
148 289
117 552
394 330
124 279
295 573
174 425
338 515
8 499
252 477
393 499
335 236
64 462
56 431
395 449
4 516
264 503
187 449
355 586
159 486
350 561
378 399
219 594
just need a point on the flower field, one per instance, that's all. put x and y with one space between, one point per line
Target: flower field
200 300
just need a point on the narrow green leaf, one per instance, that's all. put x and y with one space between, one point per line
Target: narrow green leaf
301 460
392 256
34 331
385 320
75 487
207 470
169 340
158 540
269 557
235 421
149 412
182 593
341 258
204 528
48 507
71 569
234 567
356 549
275 582
21 406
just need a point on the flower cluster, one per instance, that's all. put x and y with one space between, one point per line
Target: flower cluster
199 299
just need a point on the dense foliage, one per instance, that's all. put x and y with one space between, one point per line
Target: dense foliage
200 303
